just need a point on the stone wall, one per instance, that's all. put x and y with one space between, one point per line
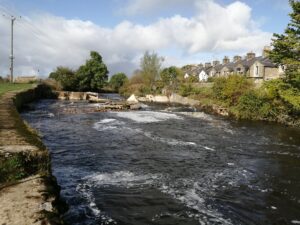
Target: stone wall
178 99
271 73
29 193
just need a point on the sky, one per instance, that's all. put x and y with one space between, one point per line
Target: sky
51 33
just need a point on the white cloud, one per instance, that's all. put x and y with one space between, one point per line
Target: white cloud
47 41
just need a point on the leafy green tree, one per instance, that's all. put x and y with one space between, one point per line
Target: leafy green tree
93 75
169 75
286 47
66 77
117 81
150 68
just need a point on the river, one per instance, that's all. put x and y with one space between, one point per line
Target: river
169 165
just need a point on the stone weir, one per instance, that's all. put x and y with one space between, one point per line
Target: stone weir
29 194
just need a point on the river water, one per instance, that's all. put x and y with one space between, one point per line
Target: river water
169 165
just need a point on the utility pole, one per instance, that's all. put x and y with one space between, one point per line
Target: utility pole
12 50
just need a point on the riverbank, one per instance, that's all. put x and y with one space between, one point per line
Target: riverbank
212 107
29 193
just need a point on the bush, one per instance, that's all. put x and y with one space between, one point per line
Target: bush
253 106
229 89
117 81
185 90
55 85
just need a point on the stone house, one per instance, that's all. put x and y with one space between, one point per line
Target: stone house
227 68
25 79
190 70
257 68
251 66
264 68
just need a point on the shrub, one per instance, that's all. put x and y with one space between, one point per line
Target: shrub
185 90
55 85
117 81
253 106
229 89
284 92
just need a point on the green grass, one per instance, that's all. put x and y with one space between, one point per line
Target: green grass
6 87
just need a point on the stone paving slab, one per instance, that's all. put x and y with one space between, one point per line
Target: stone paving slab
22 203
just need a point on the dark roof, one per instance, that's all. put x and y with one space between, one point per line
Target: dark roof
246 63
230 65
267 62
263 60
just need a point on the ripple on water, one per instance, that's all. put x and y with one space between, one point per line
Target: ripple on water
147 116
191 192
119 126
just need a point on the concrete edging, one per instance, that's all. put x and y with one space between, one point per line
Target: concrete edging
29 194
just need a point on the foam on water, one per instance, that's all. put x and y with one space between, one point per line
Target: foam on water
122 178
113 124
200 115
85 189
169 141
104 121
147 116
191 192
209 149
108 124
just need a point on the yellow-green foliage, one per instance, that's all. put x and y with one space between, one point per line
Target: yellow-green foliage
229 89
135 85
252 105
284 92
274 100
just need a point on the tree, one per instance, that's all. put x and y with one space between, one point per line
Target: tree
117 81
286 47
66 77
93 75
150 68
169 75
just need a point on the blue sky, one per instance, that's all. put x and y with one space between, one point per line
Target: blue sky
183 31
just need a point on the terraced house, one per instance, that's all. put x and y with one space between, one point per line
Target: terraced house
257 68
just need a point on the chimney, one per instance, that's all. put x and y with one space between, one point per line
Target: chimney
216 62
207 65
266 50
237 58
250 55
226 60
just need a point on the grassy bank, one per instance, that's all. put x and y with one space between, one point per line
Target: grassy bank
6 87
275 100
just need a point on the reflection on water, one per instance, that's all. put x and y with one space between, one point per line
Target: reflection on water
170 165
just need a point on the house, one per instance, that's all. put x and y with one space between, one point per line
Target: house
25 79
264 68
227 68
251 66
186 76
191 70
203 76
242 66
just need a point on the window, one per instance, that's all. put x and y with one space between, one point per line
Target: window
256 73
